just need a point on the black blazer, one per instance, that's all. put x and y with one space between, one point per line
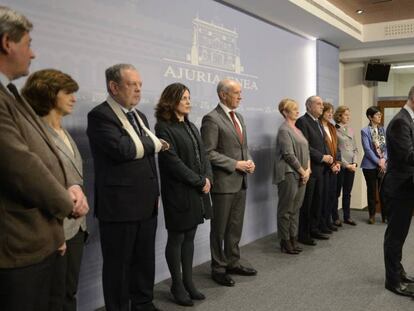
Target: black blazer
398 181
316 140
182 177
125 189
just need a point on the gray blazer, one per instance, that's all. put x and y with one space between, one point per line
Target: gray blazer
347 145
74 172
292 152
224 150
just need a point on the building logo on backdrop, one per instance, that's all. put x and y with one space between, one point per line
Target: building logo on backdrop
213 56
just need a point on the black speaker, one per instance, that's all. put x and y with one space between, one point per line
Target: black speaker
377 72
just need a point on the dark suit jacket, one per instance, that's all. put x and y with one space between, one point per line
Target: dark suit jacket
398 180
183 177
224 150
125 189
316 140
33 195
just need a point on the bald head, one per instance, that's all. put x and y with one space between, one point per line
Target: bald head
229 92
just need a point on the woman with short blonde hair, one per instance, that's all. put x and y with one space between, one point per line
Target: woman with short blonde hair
291 173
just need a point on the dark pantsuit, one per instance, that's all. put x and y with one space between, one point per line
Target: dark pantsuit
345 183
33 284
226 229
373 182
400 214
128 263
66 275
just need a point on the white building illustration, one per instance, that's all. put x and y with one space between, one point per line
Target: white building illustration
214 46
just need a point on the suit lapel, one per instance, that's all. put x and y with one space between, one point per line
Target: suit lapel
229 123
74 158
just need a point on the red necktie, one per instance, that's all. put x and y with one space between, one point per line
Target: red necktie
236 126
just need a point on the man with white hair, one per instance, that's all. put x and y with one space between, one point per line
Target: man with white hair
224 135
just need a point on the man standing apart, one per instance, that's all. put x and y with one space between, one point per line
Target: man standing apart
33 195
126 191
224 135
398 190
310 220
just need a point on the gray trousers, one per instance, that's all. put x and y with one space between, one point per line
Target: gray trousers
291 195
226 230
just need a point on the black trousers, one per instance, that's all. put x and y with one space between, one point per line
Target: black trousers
400 212
27 288
373 182
345 183
310 215
330 203
128 263
66 275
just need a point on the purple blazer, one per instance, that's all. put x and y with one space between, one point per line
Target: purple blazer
370 159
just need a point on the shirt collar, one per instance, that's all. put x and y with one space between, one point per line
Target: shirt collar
313 118
110 99
225 108
5 81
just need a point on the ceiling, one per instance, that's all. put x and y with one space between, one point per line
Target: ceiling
294 18
376 11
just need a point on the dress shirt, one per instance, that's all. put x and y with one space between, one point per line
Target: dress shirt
227 111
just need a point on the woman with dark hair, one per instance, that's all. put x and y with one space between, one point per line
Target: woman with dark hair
185 185
374 162
330 202
349 152
51 93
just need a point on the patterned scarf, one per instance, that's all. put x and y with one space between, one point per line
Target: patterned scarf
378 140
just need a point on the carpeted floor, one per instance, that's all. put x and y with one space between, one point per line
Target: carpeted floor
345 273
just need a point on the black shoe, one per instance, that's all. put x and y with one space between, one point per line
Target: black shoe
407 279
350 222
181 297
194 293
241 270
402 289
309 241
326 231
222 279
287 247
149 307
319 236
332 228
338 223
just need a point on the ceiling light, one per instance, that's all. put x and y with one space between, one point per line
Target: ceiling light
402 66
359 11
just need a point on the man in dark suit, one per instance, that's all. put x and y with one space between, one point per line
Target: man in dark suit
126 191
224 135
310 222
398 191
33 195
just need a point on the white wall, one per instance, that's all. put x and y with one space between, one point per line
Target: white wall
358 96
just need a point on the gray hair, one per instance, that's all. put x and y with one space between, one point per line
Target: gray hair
411 94
114 73
310 100
14 24
224 86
